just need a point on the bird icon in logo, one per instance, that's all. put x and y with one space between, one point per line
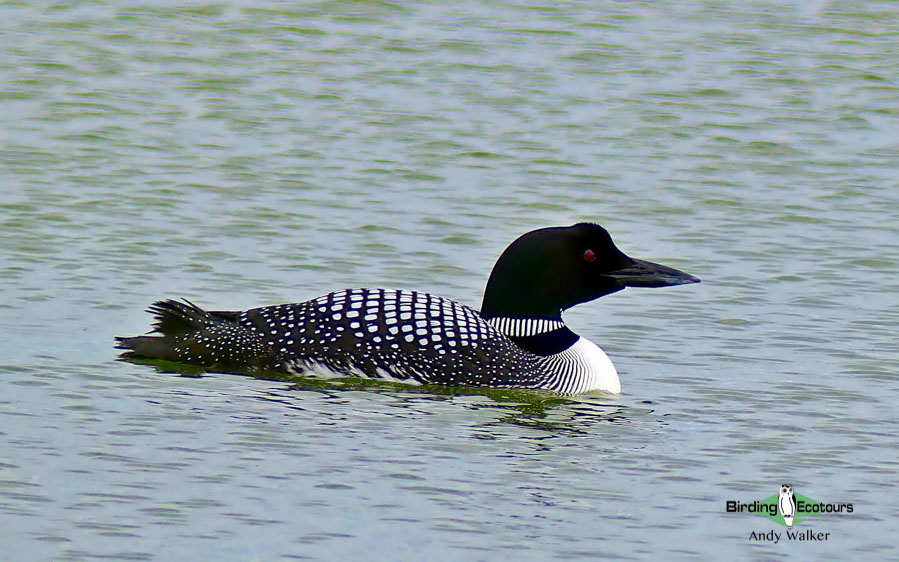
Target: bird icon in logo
786 504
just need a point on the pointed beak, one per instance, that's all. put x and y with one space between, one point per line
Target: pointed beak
648 274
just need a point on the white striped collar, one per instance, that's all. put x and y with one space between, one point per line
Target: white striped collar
523 327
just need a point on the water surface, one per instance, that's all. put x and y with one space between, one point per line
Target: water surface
242 154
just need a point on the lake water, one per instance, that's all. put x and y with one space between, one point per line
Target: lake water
244 154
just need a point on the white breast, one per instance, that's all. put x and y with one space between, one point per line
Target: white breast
583 367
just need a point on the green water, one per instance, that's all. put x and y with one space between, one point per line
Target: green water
246 154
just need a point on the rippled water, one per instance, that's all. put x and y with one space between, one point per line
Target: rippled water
241 154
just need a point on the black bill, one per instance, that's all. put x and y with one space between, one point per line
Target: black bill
647 274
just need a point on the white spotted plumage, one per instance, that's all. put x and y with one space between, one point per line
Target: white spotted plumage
363 333
421 338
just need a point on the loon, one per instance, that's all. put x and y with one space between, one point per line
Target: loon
517 340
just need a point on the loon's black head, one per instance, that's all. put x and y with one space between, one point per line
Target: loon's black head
549 270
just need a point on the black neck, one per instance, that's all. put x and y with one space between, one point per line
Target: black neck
547 343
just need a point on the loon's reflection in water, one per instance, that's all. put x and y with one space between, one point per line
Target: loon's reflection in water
493 413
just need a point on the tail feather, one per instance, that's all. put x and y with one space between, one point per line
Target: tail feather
153 347
175 317
189 334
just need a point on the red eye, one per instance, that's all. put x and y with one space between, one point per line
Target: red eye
589 256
